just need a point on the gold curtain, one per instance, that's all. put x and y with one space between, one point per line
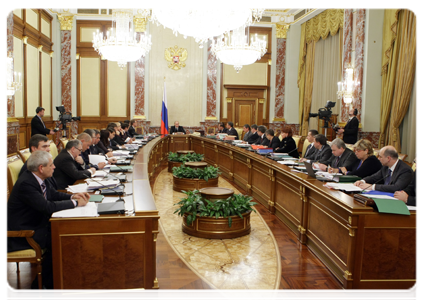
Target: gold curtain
329 21
404 78
308 90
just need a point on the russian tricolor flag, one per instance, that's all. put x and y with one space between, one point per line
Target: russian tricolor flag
164 125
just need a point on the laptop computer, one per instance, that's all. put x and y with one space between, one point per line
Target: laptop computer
312 173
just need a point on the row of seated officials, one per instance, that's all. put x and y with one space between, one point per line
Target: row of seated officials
35 196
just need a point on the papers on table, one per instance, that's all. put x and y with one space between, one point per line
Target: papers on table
89 210
348 187
93 185
132 146
96 159
120 153
101 173
78 188
280 154
378 196
287 162
327 174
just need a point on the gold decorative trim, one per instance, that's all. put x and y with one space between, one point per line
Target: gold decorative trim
156 283
140 117
271 203
65 21
229 100
269 62
77 56
175 57
231 174
25 40
278 119
347 275
349 220
352 232
40 48
10 120
210 118
51 54
249 186
155 236
261 100
281 31
140 24
301 229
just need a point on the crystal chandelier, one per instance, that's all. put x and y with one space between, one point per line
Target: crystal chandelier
204 24
12 86
234 49
120 44
345 89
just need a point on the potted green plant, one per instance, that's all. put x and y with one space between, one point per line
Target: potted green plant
186 178
176 160
226 218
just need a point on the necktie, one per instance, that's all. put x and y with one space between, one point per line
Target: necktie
336 162
308 149
42 123
388 179
44 188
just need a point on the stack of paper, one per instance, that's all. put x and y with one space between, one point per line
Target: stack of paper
101 173
287 162
89 210
94 185
120 153
327 174
348 187
78 188
96 159
131 146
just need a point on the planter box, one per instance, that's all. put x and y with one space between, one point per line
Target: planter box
171 164
212 228
189 184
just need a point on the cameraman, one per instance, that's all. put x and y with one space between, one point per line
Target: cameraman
350 130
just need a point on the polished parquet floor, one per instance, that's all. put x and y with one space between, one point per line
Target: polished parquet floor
300 268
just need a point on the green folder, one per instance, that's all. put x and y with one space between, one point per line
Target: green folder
390 206
96 198
120 168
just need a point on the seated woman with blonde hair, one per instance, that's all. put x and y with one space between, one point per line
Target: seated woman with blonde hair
367 163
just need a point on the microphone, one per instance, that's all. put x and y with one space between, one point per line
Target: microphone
109 188
374 183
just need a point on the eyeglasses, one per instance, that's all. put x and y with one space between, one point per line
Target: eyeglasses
80 150
358 150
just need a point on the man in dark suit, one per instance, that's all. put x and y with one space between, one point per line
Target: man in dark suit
253 138
395 174
274 141
176 128
350 130
32 201
341 157
70 166
37 124
408 195
262 140
310 148
131 131
323 152
221 128
87 141
232 130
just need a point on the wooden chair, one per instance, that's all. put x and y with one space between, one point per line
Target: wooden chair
24 154
240 133
402 156
53 150
305 145
34 255
297 139
63 142
14 166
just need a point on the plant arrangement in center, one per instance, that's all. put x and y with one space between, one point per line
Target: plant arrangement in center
175 157
204 173
196 206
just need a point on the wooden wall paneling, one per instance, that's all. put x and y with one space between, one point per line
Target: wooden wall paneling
18 26
224 162
261 183
241 170
222 101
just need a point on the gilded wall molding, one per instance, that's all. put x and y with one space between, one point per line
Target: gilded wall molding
140 24
176 57
66 21
281 31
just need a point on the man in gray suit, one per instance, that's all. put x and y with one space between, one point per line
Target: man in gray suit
341 157
395 174
323 152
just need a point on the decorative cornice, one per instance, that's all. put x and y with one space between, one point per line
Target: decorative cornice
66 21
281 31
210 118
140 24
278 119
140 117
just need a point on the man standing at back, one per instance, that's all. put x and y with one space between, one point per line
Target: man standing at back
37 124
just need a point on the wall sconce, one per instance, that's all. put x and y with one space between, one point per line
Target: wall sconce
12 86
345 89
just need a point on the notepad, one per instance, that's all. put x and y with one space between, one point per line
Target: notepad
96 198
89 210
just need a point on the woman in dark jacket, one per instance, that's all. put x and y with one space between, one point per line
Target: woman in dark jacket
104 143
274 140
287 145
367 163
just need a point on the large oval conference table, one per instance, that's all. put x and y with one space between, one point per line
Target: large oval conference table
364 249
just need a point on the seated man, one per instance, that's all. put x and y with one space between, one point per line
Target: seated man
131 130
253 138
341 157
70 166
310 148
274 141
411 194
247 132
31 203
87 141
222 129
262 140
395 174
232 130
176 128
323 152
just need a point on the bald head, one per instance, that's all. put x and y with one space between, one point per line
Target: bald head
388 156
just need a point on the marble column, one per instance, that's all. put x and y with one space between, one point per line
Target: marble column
12 122
210 120
359 60
280 80
346 58
66 22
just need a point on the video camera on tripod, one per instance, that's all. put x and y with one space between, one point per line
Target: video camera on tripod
65 117
325 114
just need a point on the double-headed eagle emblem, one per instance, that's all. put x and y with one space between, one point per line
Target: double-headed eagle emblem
176 57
